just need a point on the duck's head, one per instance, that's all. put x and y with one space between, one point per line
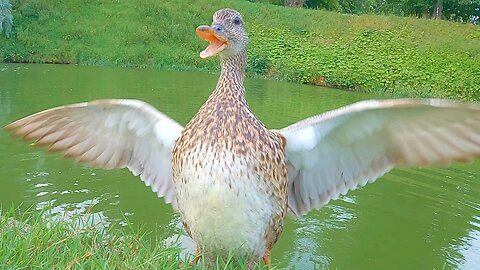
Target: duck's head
227 35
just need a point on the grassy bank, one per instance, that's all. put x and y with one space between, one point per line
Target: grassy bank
31 242
393 55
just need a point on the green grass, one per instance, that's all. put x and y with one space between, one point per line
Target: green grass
33 241
383 54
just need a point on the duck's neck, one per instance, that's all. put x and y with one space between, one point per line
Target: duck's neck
231 76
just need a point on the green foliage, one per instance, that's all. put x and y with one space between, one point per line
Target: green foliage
377 60
36 242
273 2
39 241
391 55
6 18
456 10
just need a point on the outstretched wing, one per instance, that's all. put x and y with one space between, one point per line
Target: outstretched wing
332 153
109 134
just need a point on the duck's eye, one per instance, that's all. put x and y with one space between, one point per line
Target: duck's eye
237 21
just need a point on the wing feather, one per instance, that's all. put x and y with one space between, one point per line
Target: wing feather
332 153
109 134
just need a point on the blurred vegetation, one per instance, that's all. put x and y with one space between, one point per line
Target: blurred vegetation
383 54
466 11
6 18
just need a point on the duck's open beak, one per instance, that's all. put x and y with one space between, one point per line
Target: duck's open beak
218 41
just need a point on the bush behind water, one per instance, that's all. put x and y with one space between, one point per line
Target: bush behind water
373 60
6 18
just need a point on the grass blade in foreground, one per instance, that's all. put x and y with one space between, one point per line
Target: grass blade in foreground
30 241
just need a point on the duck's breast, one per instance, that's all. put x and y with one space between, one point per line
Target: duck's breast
224 201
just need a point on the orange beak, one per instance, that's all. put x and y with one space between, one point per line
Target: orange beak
218 42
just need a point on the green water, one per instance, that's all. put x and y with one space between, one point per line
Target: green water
409 219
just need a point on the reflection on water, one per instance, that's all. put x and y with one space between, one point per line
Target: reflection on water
410 219
309 250
79 211
470 250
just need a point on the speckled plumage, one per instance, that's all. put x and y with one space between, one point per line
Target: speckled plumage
233 153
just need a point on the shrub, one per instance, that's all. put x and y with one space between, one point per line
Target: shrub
6 18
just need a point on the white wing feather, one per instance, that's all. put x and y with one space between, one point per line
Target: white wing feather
109 134
332 153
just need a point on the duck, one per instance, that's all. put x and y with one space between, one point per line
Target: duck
233 180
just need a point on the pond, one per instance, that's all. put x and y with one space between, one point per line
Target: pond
409 219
